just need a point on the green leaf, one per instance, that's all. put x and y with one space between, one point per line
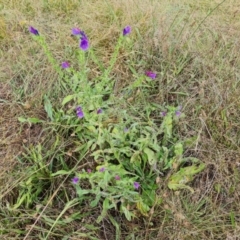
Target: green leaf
34 120
22 119
60 172
191 159
189 142
150 155
67 99
137 83
29 120
118 230
91 107
133 70
81 192
218 187
178 149
127 213
48 107
19 201
166 126
95 201
106 204
143 208
106 178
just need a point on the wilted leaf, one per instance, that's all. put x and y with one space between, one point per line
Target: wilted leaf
185 175
143 208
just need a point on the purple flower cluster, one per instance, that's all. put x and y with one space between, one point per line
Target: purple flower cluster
163 114
65 65
84 43
177 112
75 180
151 74
117 177
76 31
126 30
136 185
33 31
79 112
99 111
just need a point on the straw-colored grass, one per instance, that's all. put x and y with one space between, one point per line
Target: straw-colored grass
194 48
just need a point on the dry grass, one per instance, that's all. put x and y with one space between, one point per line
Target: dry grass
200 72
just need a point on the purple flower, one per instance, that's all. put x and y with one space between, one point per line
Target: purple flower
126 30
33 31
102 169
117 177
126 129
75 180
99 111
76 31
84 44
79 112
150 74
163 114
178 113
89 170
65 65
136 185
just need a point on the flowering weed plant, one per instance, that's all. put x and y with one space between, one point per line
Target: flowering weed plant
125 156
